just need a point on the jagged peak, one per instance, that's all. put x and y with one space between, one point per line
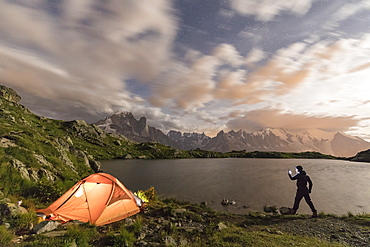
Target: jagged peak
9 94
123 114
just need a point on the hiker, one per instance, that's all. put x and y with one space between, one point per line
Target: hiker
302 190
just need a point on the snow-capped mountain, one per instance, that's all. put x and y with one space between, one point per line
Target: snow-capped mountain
269 139
124 123
282 140
187 141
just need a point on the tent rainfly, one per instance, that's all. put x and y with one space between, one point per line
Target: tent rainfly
98 199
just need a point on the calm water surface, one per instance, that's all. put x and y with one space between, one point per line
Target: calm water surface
339 186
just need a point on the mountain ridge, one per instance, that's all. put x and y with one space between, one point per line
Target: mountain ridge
268 139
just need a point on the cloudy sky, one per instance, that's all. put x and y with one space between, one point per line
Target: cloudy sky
192 65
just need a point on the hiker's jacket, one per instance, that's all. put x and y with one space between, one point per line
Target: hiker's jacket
302 180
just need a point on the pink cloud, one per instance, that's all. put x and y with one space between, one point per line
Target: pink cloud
271 118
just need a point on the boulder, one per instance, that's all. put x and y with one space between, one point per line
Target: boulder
11 209
95 165
45 226
284 210
22 169
270 209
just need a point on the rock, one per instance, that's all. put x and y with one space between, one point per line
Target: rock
69 140
4 143
128 156
270 209
9 94
22 169
95 165
11 209
180 210
82 155
118 143
284 210
221 226
45 226
141 236
169 241
204 203
142 243
184 242
45 173
42 161
33 174
129 221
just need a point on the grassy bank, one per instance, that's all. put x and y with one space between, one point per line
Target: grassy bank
170 222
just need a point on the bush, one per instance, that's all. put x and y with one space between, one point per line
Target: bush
6 236
137 225
47 191
123 238
148 195
11 181
81 234
25 221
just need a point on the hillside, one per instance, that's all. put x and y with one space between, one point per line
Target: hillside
35 149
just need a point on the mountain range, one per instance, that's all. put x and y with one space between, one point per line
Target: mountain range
269 139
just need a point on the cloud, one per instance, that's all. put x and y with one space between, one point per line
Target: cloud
82 52
186 87
266 10
274 118
223 74
254 56
228 54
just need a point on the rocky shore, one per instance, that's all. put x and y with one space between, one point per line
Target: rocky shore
172 223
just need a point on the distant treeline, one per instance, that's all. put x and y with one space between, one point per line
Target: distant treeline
198 153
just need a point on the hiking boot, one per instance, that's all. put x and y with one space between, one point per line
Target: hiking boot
292 211
314 214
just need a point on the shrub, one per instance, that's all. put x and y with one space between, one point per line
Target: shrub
123 238
5 236
148 195
137 225
25 221
81 234
47 191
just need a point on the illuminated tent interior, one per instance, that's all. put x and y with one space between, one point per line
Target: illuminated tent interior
98 199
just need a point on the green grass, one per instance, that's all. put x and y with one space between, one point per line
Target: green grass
234 237
5 237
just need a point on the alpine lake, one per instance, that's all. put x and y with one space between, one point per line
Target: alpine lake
339 186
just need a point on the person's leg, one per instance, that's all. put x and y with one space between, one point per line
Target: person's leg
297 200
310 204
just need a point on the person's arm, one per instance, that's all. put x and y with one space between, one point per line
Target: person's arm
310 184
290 175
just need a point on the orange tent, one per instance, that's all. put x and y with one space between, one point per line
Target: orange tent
98 199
